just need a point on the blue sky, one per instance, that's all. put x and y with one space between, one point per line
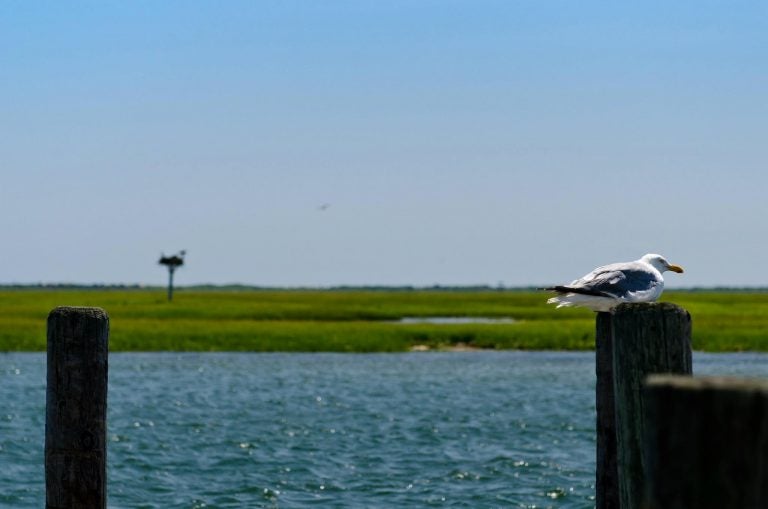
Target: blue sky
456 142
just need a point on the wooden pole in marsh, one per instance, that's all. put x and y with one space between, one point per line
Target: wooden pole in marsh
607 485
706 443
172 262
648 338
76 409
171 270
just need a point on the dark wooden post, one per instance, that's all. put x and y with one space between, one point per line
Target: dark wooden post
607 486
76 409
647 338
706 443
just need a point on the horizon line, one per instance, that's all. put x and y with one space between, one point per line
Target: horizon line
382 287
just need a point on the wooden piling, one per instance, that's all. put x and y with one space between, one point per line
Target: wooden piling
706 443
607 485
76 404
648 338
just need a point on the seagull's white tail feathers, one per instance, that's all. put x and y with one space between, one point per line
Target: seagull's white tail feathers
593 302
561 301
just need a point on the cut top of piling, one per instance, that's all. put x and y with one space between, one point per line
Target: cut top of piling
708 383
86 312
649 307
72 327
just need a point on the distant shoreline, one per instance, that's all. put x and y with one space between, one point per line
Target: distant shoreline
339 288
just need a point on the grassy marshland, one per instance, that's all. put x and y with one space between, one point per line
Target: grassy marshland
358 321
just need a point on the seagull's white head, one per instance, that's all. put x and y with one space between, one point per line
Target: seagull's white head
660 263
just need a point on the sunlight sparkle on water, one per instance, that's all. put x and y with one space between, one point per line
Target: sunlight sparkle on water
347 431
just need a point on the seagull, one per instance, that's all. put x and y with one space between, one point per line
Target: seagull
608 286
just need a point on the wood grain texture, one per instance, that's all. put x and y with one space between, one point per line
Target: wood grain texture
607 482
76 408
648 338
706 443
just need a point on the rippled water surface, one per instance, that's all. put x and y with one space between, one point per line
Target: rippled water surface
474 429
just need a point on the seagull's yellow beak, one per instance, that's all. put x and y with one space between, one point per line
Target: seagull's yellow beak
675 268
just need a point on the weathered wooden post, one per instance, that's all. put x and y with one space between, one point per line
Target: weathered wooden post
706 443
647 338
607 485
76 409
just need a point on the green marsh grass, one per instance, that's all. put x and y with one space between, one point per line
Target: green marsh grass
358 321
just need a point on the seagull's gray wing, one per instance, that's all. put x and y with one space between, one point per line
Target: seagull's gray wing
617 280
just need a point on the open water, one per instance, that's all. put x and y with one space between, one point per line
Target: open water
472 430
